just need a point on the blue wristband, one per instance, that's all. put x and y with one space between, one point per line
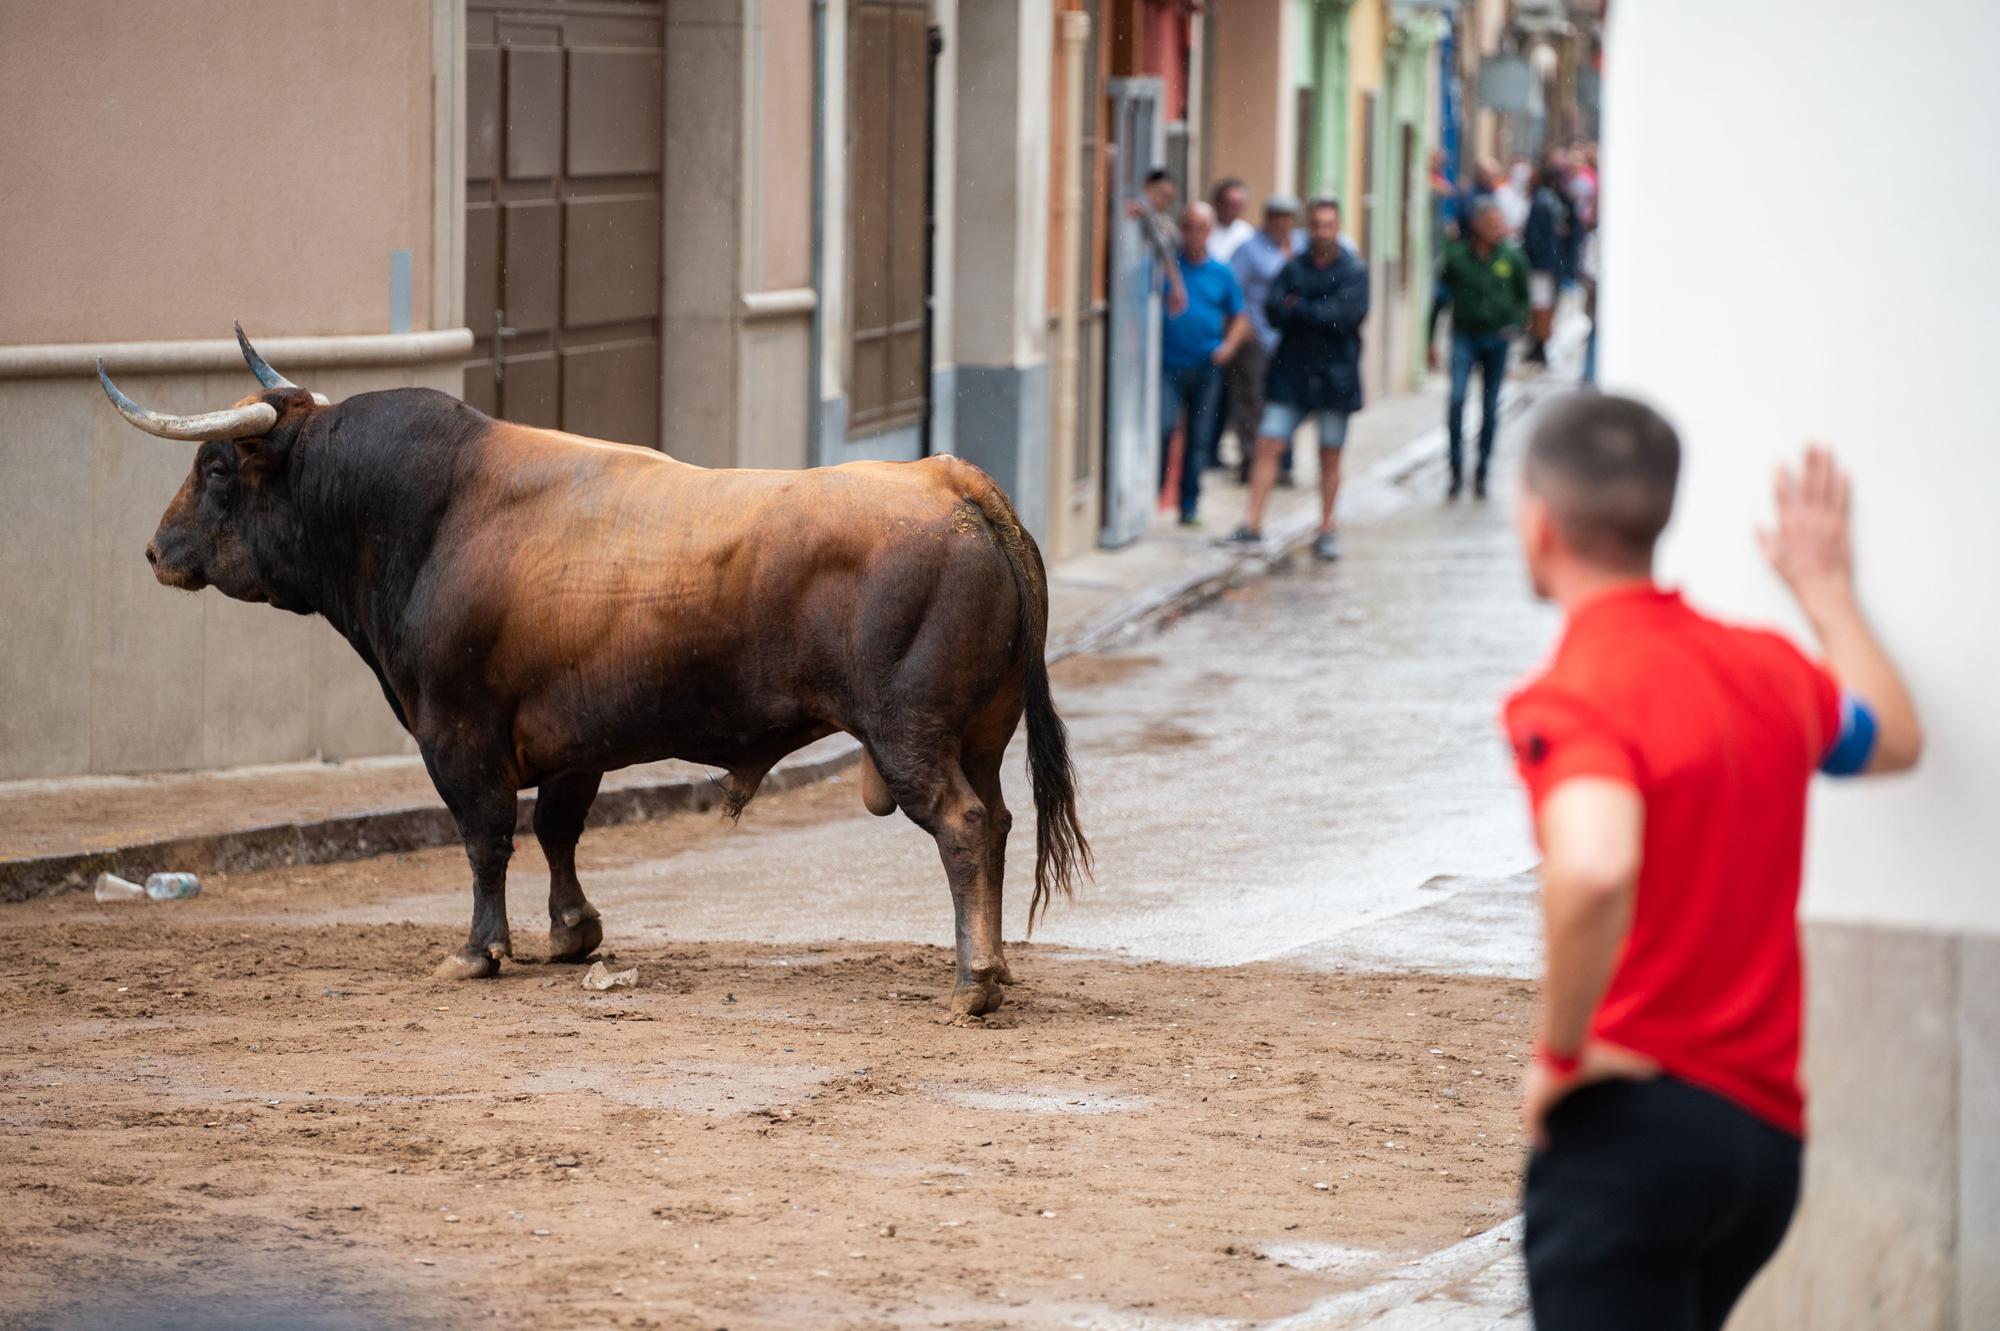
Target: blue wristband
1855 745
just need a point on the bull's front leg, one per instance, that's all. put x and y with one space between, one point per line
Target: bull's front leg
483 807
560 809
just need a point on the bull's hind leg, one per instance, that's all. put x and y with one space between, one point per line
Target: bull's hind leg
938 798
982 772
560 809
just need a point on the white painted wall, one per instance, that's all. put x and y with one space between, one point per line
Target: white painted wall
1799 211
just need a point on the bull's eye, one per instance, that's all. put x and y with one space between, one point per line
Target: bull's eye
217 473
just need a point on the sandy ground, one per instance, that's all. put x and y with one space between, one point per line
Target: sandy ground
201 1102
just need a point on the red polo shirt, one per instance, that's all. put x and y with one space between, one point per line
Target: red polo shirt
1720 730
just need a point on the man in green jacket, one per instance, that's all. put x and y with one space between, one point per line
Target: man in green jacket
1487 283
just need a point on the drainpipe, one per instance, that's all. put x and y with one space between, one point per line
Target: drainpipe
815 422
1069 281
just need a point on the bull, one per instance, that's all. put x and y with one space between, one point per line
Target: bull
541 608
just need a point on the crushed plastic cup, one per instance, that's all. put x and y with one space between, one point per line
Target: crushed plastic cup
110 887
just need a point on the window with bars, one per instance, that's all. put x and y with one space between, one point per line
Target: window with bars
887 87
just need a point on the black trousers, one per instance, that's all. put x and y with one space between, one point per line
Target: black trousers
1653 1206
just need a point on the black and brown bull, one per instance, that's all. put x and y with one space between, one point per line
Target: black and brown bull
542 608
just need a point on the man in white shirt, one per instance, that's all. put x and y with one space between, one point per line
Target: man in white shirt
1231 199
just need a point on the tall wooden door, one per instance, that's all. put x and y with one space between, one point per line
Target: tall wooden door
562 214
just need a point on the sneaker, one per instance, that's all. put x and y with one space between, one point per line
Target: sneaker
1192 521
1325 548
1457 484
1479 485
1244 535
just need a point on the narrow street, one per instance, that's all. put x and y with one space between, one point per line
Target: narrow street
1306 954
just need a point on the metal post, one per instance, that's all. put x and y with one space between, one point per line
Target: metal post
1075 35
934 49
818 452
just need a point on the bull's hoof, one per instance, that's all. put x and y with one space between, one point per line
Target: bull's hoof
1006 974
976 998
466 964
574 939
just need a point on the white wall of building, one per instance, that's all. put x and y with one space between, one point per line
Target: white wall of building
1799 216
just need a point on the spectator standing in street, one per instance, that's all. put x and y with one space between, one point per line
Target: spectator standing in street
1544 240
1154 211
1666 757
1229 197
1488 281
1231 200
1317 304
1257 264
1515 193
1194 346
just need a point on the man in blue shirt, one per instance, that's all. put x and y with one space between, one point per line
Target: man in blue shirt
1195 345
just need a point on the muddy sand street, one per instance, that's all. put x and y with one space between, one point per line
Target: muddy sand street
758 1137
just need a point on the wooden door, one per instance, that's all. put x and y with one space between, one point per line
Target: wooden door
562 214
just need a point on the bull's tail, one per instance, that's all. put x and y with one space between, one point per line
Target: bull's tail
1061 852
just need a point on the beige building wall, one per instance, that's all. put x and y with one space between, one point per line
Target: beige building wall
169 169
172 167
1253 97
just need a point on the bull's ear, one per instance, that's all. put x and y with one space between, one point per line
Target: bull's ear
256 457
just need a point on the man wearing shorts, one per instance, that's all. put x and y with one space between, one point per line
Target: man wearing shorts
1666 757
1317 303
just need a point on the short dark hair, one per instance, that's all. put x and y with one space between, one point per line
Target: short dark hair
1223 186
1157 174
1606 466
1319 201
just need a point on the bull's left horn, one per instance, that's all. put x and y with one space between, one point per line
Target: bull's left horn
260 367
232 423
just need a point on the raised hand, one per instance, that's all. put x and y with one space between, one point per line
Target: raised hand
1810 545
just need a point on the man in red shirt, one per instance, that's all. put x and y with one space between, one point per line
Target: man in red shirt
1667 757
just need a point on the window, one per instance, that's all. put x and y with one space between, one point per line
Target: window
888 84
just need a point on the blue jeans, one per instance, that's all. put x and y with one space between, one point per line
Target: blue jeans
1197 390
1489 352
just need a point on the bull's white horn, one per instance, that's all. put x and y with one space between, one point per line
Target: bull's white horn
260 367
233 423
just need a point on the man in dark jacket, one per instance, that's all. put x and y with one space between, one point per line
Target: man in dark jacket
1545 239
1317 305
1488 279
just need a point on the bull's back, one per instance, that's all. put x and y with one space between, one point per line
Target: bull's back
629 593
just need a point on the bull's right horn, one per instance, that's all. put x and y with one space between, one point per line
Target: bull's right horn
232 423
260 367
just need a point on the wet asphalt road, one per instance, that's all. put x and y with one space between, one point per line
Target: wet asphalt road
1309 769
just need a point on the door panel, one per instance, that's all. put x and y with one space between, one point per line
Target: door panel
563 154
531 262
534 112
614 113
607 392
614 269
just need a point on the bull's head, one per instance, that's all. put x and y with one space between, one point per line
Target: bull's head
230 526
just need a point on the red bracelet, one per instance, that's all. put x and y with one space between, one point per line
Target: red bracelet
1563 1065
